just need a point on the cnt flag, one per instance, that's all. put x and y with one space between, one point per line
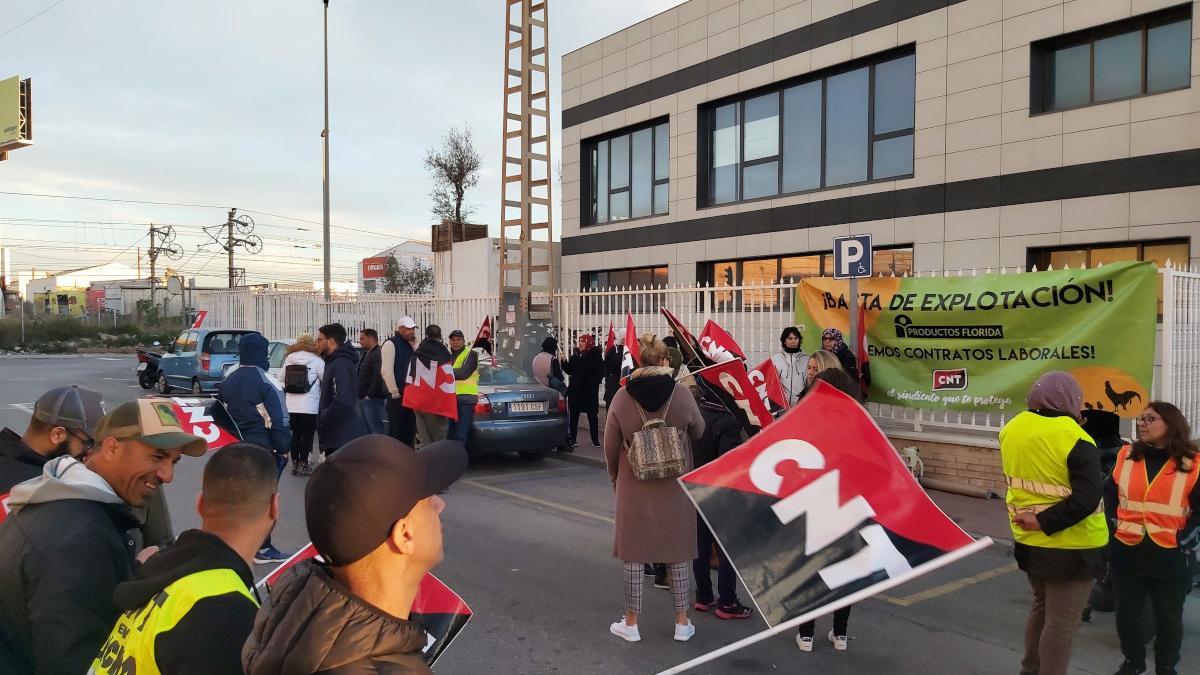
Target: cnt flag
430 387
483 339
439 610
818 512
864 366
692 356
731 379
632 358
765 378
612 339
718 345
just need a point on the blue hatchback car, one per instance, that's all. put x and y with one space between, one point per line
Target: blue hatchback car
198 358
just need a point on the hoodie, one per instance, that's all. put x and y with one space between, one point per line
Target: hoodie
252 397
66 547
209 637
315 624
338 421
651 387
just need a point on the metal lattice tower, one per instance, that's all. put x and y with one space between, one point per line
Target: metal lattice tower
526 261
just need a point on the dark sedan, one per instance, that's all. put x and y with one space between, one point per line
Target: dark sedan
516 414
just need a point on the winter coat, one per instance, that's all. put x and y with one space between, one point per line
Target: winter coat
370 375
395 354
308 403
545 367
793 373
846 358
18 462
587 371
209 638
338 422
65 548
247 387
722 433
612 373
315 624
655 520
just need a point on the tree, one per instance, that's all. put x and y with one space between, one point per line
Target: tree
454 167
391 275
414 279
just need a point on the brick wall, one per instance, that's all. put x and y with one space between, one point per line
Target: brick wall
975 465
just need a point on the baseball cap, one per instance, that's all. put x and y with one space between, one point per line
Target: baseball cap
457 333
354 497
154 422
72 407
407 322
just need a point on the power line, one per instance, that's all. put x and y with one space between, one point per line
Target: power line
56 4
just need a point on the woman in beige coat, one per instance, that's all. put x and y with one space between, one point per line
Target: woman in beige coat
656 522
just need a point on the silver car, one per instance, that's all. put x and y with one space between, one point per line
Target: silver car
515 414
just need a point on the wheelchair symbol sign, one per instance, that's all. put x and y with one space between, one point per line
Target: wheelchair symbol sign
852 257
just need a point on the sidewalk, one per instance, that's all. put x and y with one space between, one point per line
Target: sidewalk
979 517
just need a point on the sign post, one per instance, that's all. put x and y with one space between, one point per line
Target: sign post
852 259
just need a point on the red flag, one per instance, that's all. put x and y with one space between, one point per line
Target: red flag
612 338
199 417
864 370
632 358
439 610
731 377
3 507
765 378
200 316
430 388
719 345
483 339
688 346
819 512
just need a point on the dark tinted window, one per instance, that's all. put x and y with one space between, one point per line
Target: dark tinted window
627 175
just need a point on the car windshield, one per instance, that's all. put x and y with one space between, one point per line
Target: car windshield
501 373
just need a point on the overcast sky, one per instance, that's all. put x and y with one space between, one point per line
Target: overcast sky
218 102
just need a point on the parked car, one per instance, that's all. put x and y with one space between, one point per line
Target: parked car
276 351
516 414
198 358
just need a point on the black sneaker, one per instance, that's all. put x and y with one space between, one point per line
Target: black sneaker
660 581
648 570
734 611
1131 668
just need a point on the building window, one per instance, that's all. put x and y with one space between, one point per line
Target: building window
787 269
1177 251
1144 55
849 125
634 278
627 174
369 286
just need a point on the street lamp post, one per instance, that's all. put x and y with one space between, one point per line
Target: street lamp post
325 159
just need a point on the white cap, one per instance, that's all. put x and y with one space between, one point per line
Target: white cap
407 322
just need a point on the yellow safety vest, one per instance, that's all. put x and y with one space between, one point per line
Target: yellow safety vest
129 649
1034 450
471 384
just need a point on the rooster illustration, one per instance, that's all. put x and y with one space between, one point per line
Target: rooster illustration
1120 399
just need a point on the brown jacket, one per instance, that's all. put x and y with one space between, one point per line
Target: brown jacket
656 522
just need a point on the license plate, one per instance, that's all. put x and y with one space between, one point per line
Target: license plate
142 366
527 407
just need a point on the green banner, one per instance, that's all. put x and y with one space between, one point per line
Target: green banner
978 343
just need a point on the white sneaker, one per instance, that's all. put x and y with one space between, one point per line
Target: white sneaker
804 643
625 631
839 641
684 632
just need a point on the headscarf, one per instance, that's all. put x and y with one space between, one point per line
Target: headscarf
835 335
588 341
1056 391
550 345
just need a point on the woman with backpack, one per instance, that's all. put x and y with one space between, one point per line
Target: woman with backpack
303 368
652 417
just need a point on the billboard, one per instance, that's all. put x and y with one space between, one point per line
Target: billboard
373 268
10 110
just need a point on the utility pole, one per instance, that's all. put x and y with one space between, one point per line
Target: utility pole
251 242
165 244
229 249
325 160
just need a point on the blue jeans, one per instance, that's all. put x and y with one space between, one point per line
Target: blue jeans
460 429
371 412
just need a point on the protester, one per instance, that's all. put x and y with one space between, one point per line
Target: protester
190 608
586 369
338 422
1104 428
65 542
833 341
655 521
674 356
395 356
432 427
547 371
819 362
62 421
1054 489
792 364
303 406
722 433
373 515
372 390
1153 493
612 371
466 386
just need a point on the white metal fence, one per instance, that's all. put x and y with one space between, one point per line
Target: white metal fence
1179 373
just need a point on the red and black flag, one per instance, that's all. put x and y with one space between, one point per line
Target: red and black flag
765 378
631 360
483 339
864 365
718 345
730 377
612 339
818 512
688 346
430 387
439 610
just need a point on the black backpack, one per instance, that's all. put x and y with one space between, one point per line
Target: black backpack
295 379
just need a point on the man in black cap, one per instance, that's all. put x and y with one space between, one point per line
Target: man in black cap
62 422
372 511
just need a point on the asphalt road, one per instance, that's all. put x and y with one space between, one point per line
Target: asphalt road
528 545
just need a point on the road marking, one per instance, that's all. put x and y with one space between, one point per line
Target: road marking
539 502
108 358
938 591
116 379
27 407
526 474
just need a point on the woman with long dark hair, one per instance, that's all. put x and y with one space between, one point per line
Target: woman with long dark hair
1152 492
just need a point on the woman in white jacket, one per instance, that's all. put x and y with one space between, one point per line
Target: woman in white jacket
302 408
792 364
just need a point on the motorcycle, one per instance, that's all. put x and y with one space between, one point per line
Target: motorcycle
147 367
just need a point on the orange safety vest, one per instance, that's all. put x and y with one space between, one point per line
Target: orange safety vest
1156 507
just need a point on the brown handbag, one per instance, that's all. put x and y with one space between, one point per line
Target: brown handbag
657 451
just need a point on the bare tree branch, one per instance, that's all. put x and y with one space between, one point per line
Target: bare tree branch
454 167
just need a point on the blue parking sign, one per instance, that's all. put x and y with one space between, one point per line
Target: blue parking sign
852 257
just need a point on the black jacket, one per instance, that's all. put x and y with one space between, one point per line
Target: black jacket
338 422
209 638
65 548
612 372
18 462
849 363
587 371
722 433
370 375
247 387
315 624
